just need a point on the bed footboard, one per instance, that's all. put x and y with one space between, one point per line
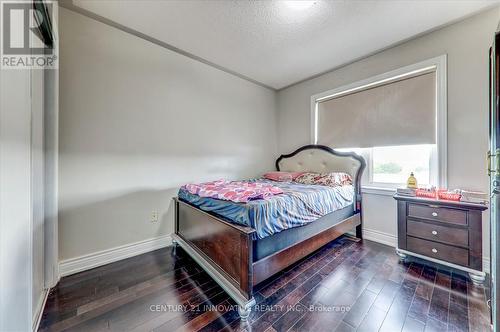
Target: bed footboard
272 264
223 250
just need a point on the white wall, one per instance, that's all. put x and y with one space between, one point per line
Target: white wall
21 197
466 44
15 206
137 121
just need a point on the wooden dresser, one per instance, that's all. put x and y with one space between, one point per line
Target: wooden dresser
445 232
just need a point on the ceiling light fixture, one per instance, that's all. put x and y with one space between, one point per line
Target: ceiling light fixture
299 4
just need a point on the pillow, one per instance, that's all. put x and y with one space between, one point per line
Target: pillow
334 179
308 178
282 176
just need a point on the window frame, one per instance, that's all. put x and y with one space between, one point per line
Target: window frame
439 66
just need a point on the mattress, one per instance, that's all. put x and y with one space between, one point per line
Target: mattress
299 205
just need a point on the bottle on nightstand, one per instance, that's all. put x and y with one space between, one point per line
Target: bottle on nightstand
412 181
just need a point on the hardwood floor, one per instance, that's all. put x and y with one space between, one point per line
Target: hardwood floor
345 286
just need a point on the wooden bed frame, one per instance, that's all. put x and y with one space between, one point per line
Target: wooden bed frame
224 250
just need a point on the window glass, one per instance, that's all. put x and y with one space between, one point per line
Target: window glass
393 164
390 166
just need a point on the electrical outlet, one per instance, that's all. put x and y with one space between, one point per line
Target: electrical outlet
154 216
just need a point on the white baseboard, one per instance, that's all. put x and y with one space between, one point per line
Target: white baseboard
391 240
380 237
39 309
86 262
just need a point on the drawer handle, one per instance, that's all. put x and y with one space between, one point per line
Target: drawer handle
434 250
434 214
434 233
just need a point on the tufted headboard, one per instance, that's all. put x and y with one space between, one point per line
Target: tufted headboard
322 159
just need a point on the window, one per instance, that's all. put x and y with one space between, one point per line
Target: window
390 166
396 120
393 164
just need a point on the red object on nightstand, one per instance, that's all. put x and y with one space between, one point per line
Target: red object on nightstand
447 195
425 193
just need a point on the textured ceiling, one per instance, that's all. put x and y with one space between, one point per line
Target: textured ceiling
279 43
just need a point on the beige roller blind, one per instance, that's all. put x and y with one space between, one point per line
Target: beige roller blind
397 113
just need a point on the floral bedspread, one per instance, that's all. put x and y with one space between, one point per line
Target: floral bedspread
235 191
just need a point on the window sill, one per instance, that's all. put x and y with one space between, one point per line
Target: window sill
378 191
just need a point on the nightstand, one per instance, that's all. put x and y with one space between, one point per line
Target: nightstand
445 232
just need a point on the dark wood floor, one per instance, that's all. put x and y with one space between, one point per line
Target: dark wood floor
166 291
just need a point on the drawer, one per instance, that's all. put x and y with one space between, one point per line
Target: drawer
441 233
448 215
437 250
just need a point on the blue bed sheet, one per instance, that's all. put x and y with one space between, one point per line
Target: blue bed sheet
299 205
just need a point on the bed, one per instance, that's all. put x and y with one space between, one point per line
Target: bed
239 250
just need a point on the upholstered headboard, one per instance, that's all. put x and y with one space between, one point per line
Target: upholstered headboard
322 159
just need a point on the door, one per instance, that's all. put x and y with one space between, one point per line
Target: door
494 171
